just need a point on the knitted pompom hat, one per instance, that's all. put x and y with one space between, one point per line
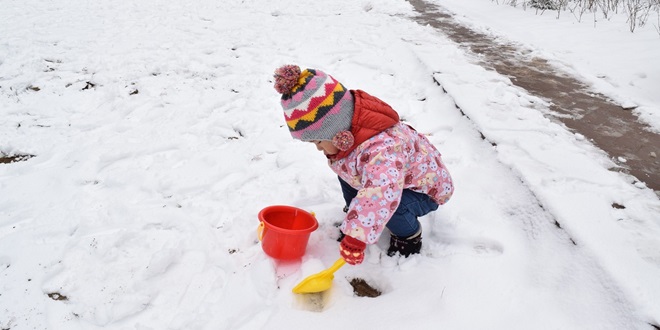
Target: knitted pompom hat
316 106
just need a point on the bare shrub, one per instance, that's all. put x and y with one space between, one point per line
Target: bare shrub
544 4
638 11
562 5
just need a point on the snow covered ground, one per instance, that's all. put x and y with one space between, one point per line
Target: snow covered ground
158 138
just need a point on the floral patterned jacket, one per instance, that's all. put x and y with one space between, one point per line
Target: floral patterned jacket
380 168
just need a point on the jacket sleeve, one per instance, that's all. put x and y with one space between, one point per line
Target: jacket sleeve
381 168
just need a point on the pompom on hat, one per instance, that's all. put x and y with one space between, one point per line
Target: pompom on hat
316 106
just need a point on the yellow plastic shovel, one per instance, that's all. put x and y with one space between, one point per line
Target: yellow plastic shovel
319 282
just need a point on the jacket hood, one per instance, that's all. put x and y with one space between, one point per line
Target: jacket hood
371 116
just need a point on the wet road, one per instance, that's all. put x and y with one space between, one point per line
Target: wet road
610 127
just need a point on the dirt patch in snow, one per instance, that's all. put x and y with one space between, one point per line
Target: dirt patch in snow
4 159
362 289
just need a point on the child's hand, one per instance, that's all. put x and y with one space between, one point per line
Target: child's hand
352 250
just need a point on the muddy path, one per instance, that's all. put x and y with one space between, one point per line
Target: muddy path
612 128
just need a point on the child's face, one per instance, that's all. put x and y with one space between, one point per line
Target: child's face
327 147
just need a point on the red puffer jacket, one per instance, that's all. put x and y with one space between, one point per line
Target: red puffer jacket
370 117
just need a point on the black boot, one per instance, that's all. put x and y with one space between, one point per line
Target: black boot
405 246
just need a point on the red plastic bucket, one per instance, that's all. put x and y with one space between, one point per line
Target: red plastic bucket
284 231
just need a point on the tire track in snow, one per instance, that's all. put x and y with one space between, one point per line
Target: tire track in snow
569 185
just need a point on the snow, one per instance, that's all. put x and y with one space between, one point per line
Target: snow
158 138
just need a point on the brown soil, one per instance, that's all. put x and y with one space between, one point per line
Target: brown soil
610 127
362 289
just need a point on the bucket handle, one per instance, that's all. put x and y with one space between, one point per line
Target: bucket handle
260 230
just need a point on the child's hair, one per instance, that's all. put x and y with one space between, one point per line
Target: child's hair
316 106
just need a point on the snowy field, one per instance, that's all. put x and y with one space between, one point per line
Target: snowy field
157 138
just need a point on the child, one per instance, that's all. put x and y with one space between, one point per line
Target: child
389 173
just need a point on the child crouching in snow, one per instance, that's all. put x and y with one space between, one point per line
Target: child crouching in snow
389 174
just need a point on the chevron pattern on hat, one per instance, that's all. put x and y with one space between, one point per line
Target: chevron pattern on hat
316 107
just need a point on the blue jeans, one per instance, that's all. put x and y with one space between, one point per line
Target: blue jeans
404 222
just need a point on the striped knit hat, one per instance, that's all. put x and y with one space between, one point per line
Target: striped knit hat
316 106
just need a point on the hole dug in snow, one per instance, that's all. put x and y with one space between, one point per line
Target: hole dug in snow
313 302
362 288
